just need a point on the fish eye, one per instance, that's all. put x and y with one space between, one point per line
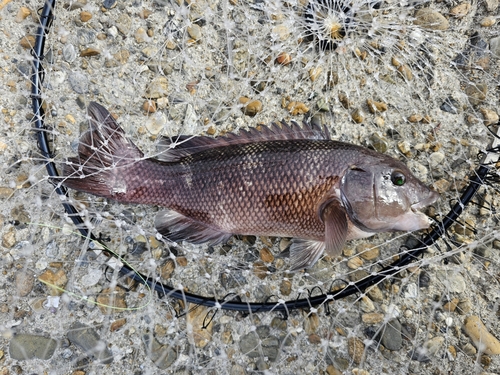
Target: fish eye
398 178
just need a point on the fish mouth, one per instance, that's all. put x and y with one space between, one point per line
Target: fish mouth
433 196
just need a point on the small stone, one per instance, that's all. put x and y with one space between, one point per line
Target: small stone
281 31
430 19
252 344
464 306
314 73
356 349
117 324
488 21
181 261
392 338
415 118
89 52
251 107
69 53
436 158
158 88
124 23
495 46
260 270
78 82
461 10
54 280
163 356
491 5
6 192
354 263
331 370
141 35
366 304
88 340
112 300
368 251
484 341
374 106
372 318
469 350
358 116
149 106
433 345
375 293
145 13
9 239
442 185
167 269
25 346
284 58
378 143
476 93
450 105
27 41
22 14
344 100
452 281
266 255
297 108
450 306
194 31
311 324
85 16
24 282
201 326
490 117
286 287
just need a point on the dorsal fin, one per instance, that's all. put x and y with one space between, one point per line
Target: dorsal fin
173 149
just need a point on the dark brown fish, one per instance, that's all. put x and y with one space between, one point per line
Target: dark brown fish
288 181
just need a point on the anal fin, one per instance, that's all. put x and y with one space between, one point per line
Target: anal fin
177 227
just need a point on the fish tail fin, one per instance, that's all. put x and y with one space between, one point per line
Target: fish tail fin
105 156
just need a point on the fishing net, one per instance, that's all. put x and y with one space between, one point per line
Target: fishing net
88 285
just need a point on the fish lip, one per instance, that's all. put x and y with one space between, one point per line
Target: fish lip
433 196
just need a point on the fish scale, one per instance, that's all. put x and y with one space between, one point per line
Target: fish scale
288 180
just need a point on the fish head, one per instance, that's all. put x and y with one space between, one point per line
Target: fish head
383 196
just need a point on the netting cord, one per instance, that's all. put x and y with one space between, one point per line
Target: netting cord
235 304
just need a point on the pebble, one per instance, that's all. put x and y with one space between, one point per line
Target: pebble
55 281
358 116
6 192
194 31
453 282
163 356
27 41
378 143
374 106
488 21
476 93
111 300
366 304
331 370
117 324
85 16
124 23
450 306
78 82
85 36
260 270
9 239
197 320
392 338
167 269
253 343
88 340
354 263
368 251
22 14
266 255
375 293
490 117
495 46
344 100
314 73
89 52
286 287
430 19
284 58
491 5
436 158
450 105
69 53
157 88
464 306
483 340
24 281
311 324
149 106
461 10
141 35
297 108
356 349
250 107
26 346
372 318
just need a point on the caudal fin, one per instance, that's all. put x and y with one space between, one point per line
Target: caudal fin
104 156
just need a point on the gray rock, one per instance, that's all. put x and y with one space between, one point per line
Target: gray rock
78 82
85 36
162 355
24 282
69 53
452 281
450 105
391 335
495 46
26 346
260 343
88 340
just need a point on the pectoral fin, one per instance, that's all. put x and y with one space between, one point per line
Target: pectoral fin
304 253
336 226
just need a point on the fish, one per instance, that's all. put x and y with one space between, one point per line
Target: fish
282 180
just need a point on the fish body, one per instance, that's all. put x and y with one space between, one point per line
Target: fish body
287 181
